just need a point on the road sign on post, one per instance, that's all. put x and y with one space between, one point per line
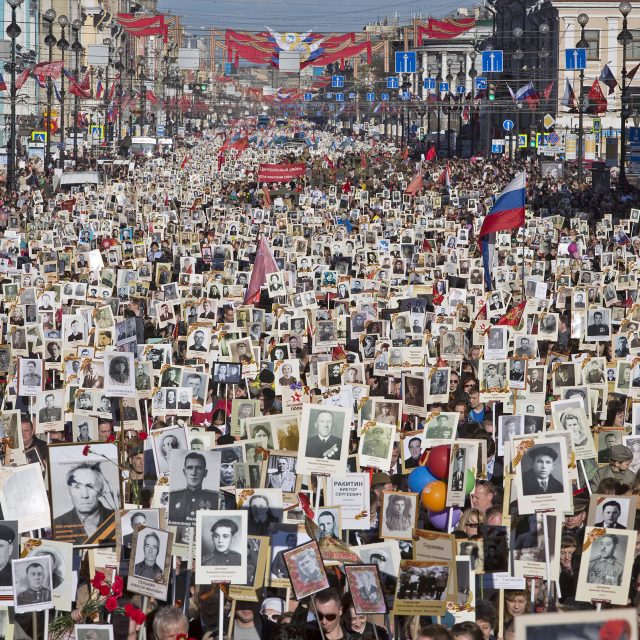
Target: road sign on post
337 82
38 136
406 61
492 61
339 97
371 97
308 97
444 87
522 140
481 83
429 83
575 59
461 89
507 125
384 97
393 83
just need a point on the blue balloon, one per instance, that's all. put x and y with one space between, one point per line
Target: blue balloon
419 478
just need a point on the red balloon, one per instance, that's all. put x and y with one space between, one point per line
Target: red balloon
434 496
438 462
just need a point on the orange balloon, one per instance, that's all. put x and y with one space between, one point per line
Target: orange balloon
434 496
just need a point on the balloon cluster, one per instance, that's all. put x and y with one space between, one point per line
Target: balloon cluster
430 482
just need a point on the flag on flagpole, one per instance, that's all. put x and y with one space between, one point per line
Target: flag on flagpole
445 177
112 90
598 103
267 196
631 74
569 96
607 77
3 84
415 185
507 212
512 318
548 89
41 80
431 154
263 265
22 78
183 164
99 90
57 92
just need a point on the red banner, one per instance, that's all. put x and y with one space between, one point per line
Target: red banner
444 29
143 26
280 172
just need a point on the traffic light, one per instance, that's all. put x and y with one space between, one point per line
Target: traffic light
492 91
203 87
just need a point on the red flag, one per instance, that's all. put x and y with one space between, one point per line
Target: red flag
48 69
305 505
405 153
444 29
415 185
445 177
598 103
631 74
329 161
431 154
512 318
22 78
151 97
264 264
184 161
85 83
363 160
267 196
112 91
76 90
547 91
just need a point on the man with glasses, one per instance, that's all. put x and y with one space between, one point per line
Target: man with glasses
329 614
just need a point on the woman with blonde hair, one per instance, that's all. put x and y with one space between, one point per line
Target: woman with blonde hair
470 522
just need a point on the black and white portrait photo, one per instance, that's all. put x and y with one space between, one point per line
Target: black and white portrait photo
30 376
9 547
598 325
163 442
93 632
264 508
227 372
32 584
221 542
119 374
149 564
328 521
398 516
194 484
281 471
275 284
323 440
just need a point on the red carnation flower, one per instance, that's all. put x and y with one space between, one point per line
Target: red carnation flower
143 435
98 579
85 452
111 604
111 438
129 610
139 616
117 586
104 589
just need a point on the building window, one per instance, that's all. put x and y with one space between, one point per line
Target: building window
633 48
592 36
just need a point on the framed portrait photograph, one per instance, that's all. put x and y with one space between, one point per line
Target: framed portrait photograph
150 562
227 372
605 569
194 484
366 589
119 371
329 522
323 439
283 536
306 570
612 512
257 558
32 584
281 472
163 442
127 521
541 468
440 428
30 376
376 445
263 506
221 542
93 632
399 514
85 492
531 547
578 624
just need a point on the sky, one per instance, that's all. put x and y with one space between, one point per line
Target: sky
297 15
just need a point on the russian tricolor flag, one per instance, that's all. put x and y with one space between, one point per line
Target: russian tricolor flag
506 214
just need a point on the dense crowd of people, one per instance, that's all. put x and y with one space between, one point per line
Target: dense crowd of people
310 408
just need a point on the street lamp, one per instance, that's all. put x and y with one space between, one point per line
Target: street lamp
439 95
624 38
449 80
13 31
119 68
107 126
517 56
50 40
63 45
76 47
473 74
583 20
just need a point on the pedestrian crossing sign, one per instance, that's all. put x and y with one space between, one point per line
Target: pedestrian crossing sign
38 136
522 140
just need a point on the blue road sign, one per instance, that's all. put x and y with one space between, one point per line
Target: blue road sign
308 97
497 147
634 135
406 61
337 82
384 97
371 97
507 125
393 83
481 83
575 58
554 138
461 89
492 61
329 95
160 130
444 86
352 96
429 83
339 97
405 95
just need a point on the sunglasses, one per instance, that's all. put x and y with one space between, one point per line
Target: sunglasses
327 616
